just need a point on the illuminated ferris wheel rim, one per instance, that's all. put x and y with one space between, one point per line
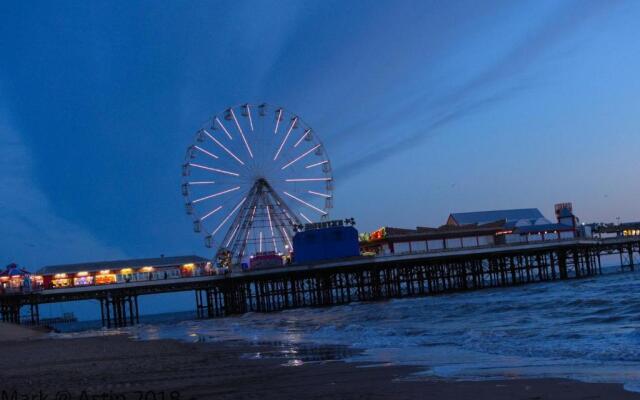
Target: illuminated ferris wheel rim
247 146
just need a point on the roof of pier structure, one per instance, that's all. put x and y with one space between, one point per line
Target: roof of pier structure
119 264
442 232
483 217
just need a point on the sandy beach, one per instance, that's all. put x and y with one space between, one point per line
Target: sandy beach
116 367
12 333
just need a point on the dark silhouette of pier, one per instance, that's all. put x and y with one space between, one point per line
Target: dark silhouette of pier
350 280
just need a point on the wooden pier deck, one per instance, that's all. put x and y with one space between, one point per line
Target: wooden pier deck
349 280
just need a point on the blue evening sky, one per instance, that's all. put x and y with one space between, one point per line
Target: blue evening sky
425 108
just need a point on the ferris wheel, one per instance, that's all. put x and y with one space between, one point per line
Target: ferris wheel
253 174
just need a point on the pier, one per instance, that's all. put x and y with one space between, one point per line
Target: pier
350 280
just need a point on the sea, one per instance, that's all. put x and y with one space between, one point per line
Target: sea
586 329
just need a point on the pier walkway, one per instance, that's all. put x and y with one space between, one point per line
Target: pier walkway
349 280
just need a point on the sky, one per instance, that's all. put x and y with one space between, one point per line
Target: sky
424 107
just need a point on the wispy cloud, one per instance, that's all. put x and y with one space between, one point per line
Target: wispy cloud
437 121
32 234
489 86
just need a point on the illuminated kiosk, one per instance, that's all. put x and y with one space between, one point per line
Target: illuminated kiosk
254 173
17 280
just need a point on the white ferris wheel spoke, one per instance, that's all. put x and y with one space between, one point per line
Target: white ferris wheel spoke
223 128
206 152
273 236
249 115
253 213
241 132
210 213
307 180
222 171
326 196
233 235
201 183
215 195
278 120
316 164
293 123
305 203
304 135
222 146
306 153
224 221
284 231
306 218
246 240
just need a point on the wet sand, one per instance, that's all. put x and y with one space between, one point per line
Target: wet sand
13 332
115 367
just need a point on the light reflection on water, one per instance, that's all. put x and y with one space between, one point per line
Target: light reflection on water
294 363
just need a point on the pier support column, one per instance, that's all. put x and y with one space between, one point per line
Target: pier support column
234 300
206 306
34 307
119 310
512 267
199 304
374 285
599 262
10 311
562 264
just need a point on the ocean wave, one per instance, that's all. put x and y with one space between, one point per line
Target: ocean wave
583 329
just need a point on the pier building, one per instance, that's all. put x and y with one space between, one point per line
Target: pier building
122 271
475 229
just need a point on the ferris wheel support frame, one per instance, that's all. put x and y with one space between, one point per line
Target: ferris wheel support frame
261 192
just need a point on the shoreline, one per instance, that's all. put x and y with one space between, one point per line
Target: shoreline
121 366
12 332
